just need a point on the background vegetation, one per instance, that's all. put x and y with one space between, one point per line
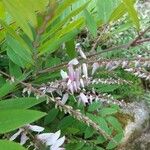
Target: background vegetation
43 41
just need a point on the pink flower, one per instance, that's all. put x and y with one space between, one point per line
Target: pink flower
73 79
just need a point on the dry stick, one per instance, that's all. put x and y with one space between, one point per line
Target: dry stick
98 39
61 66
66 108
52 69
134 42
142 41
40 31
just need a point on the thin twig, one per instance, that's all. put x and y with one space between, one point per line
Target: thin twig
41 30
143 41
118 48
134 42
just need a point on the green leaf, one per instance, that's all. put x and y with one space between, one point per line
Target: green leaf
118 12
100 148
66 122
117 138
122 28
13 119
72 130
14 35
19 103
18 54
70 48
51 116
105 88
91 23
2 10
129 4
107 111
14 70
62 7
94 106
88 132
114 123
105 9
100 121
7 88
54 43
100 140
2 81
9 145
19 14
59 25
75 146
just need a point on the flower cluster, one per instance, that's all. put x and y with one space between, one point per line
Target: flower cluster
74 79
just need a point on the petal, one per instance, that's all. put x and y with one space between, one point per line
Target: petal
44 136
23 139
82 54
64 74
75 86
13 137
95 67
69 82
70 87
83 98
65 98
58 143
35 128
85 71
82 83
71 72
73 62
52 140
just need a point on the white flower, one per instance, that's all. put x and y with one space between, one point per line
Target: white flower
52 140
23 133
57 144
44 137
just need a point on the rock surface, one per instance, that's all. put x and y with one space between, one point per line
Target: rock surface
137 131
